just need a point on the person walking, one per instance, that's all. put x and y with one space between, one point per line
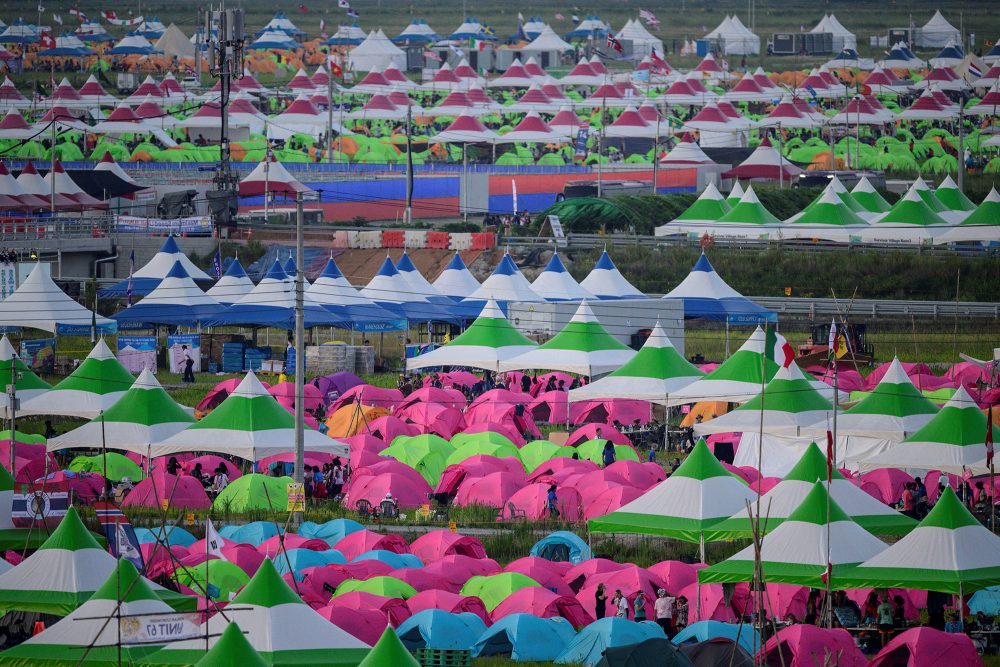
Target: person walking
188 364
884 614
663 608
608 454
639 606
600 601
552 501
681 613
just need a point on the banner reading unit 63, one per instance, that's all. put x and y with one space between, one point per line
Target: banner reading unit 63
159 628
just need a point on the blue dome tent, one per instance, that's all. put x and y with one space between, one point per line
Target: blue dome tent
562 546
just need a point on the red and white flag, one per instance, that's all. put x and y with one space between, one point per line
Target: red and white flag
46 41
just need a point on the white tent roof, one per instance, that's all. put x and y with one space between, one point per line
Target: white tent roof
937 32
163 261
232 286
376 53
547 40
506 283
456 280
38 303
605 281
555 283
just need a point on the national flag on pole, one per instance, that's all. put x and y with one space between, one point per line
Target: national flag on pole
560 17
432 55
57 19
974 70
343 4
613 43
659 64
131 270
777 349
649 17
831 341
46 41
575 19
322 25
122 542
213 541
75 11
41 9
217 263
336 70
303 9
353 13
989 437
825 577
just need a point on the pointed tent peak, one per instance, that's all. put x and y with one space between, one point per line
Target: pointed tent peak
555 265
895 374
920 184
331 270
811 466
7 351
736 192
605 263
790 373
913 194
70 534
276 272
405 264
961 400
948 513
456 263
491 310
749 196
267 589
818 507
711 193
389 650
506 267
106 158
701 464
829 196
233 648
170 246
658 338
992 197
177 271
289 267
948 184
236 270
101 351
250 387
387 268
57 167
125 584
703 264
146 380
584 313
864 185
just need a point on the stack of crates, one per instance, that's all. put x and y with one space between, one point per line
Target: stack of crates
232 357
429 657
254 358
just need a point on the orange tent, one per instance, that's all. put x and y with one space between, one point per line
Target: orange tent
352 419
707 409
821 161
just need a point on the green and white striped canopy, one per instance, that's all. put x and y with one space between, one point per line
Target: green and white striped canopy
686 505
893 410
749 211
708 207
951 197
282 628
738 379
652 375
488 341
779 503
583 347
90 634
798 550
250 424
232 649
789 403
949 552
92 388
829 209
953 441
865 194
145 415
65 571
29 385
913 210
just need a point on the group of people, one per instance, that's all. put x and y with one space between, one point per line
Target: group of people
213 482
320 482
670 613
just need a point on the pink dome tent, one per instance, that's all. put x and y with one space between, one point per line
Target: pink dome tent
492 490
389 427
284 392
543 603
366 394
590 432
802 645
364 624
674 574
610 500
437 544
713 605
630 579
533 500
548 573
456 569
405 491
473 467
448 601
927 647
175 490
361 541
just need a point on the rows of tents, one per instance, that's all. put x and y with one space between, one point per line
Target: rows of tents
943 215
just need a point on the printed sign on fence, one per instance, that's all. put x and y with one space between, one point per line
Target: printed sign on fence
201 224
